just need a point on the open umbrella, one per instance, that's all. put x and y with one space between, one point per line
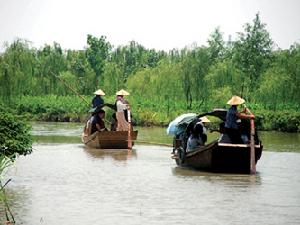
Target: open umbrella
173 127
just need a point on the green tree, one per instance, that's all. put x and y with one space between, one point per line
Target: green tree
113 78
252 51
223 77
79 66
216 45
16 70
50 62
97 53
279 85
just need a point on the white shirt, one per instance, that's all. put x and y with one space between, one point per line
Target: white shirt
121 106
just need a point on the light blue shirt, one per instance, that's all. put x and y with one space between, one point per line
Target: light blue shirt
194 142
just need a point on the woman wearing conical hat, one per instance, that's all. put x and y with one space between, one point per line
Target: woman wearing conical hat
121 103
232 117
121 114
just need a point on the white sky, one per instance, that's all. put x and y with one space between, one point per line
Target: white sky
159 24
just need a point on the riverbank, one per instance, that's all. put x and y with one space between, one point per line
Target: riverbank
53 108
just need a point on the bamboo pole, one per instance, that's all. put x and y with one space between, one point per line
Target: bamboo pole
129 128
69 86
252 148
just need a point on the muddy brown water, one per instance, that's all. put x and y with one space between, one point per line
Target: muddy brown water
62 182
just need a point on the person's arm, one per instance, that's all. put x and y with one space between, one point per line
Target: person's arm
98 126
244 115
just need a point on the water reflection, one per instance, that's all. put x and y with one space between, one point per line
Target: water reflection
223 178
56 139
116 154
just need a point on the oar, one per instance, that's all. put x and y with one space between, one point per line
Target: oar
69 86
252 148
129 128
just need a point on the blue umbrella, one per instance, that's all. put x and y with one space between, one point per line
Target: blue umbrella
173 127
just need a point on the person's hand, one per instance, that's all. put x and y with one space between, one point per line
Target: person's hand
252 116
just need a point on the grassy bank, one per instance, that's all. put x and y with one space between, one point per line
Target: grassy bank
146 112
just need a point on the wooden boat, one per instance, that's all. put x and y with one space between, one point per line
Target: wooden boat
110 139
216 156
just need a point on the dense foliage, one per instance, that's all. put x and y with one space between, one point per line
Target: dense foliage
162 84
14 136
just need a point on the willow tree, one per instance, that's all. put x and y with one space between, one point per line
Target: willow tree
82 72
50 62
279 85
16 70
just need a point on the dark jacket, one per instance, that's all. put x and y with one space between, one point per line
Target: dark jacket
96 120
97 101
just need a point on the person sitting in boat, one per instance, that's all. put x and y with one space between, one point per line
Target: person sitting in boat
197 138
205 121
232 117
122 106
98 100
97 121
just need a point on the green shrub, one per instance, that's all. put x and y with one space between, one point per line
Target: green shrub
14 135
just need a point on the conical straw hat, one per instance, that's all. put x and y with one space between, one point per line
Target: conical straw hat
99 92
204 119
122 92
236 100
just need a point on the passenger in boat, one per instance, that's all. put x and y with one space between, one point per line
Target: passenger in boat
205 121
98 100
197 138
97 121
232 117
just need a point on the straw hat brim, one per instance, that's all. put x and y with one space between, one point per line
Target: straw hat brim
99 92
204 119
122 92
236 100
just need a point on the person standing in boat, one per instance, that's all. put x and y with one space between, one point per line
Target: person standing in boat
97 121
122 106
232 117
98 100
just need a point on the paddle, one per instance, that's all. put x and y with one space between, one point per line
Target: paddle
129 128
252 148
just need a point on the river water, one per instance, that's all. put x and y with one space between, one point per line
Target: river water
62 182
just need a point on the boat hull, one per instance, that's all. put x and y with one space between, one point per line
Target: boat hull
110 139
219 157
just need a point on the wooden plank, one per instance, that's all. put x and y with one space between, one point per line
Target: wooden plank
116 135
237 145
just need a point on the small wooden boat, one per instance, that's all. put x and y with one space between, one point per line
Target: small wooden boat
110 139
216 156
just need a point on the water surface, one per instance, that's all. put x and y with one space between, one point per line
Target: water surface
62 182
